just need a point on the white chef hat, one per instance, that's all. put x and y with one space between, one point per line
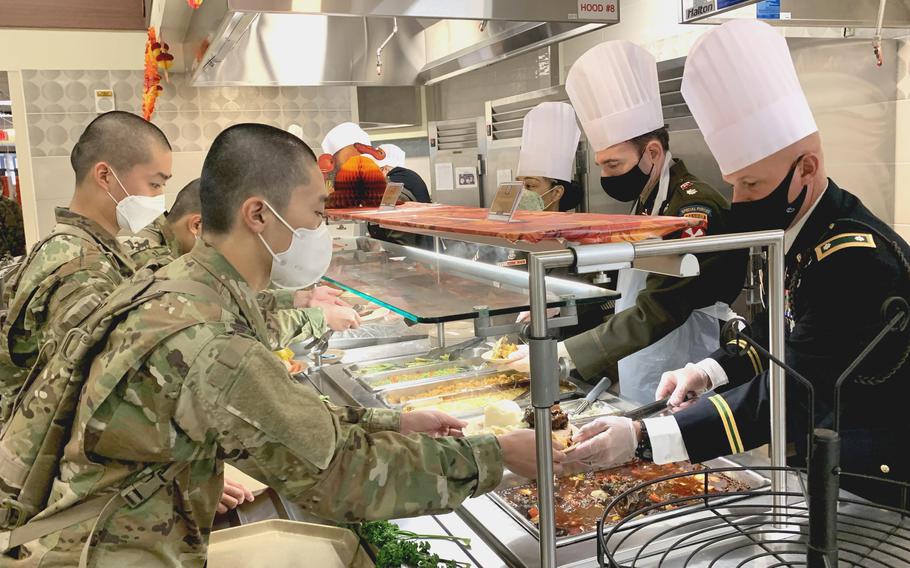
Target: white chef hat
549 140
614 90
741 86
394 156
344 134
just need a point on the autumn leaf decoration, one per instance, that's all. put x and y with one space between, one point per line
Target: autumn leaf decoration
152 80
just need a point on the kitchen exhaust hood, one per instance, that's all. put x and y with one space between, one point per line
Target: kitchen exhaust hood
803 13
373 42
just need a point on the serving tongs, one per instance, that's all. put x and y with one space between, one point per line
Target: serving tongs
317 346
592 396
455 351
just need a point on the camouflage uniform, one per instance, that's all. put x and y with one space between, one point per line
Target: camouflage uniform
214 392
156 242
287 324
12 230
63 281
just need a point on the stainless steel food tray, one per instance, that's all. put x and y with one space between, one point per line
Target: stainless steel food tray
358 370
570 389
466 368
752 479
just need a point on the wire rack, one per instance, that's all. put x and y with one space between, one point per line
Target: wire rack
744 528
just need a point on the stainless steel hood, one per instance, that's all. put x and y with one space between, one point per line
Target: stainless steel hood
336 42
804 13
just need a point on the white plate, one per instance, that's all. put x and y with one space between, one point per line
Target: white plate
376 314
488 355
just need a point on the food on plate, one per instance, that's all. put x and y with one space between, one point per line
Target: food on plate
498 418
497 380
561 432
581 498
503 348
410 377
502 413
559 419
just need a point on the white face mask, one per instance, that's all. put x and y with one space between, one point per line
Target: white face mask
135 212
305 261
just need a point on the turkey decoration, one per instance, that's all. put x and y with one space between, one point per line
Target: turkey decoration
194 4
358 182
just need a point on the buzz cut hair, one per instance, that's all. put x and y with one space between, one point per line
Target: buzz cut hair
248 160
187 202
122 139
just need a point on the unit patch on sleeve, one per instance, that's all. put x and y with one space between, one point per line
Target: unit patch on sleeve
700 212
842 241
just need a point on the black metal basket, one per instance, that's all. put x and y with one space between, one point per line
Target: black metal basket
746 528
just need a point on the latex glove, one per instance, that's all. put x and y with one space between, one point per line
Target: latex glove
321 296
605 442
677 384
233 495
432 423
520 361
340 318
526 316
519 453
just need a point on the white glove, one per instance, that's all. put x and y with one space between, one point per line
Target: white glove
677 384
526 316
520 361
339 318
604 443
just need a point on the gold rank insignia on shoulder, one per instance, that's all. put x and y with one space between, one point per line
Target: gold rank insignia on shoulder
843 241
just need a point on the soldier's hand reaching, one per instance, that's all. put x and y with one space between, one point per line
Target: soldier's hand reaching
678 384
519 453
431 422
606 442
318 297
233 495
340 318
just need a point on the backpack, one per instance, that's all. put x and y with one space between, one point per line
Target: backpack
32 441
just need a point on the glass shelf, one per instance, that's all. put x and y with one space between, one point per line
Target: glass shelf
426 287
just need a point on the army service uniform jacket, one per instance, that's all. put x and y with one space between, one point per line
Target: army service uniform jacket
214 392
666 302
157 244
841 267
62 282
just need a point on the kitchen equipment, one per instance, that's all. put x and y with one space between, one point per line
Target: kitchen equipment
455 351
602 385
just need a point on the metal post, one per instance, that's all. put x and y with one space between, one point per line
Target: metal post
441 334
824 485
777 376
544 393
440 327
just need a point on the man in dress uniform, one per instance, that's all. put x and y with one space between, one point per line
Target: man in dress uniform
842 263
659 320
121 164
214 392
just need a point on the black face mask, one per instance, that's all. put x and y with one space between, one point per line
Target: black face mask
628 186
770 212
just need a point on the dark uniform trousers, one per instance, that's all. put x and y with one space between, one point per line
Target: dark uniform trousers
843 265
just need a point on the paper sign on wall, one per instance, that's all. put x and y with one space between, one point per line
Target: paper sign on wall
503 176
465 178
597 10
444 174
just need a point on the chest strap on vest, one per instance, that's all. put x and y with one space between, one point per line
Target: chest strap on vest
101 508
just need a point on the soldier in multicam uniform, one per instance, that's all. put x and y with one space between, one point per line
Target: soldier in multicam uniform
12 232
290 315
68 274
214 392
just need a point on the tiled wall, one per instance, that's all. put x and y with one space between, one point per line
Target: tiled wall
59 105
